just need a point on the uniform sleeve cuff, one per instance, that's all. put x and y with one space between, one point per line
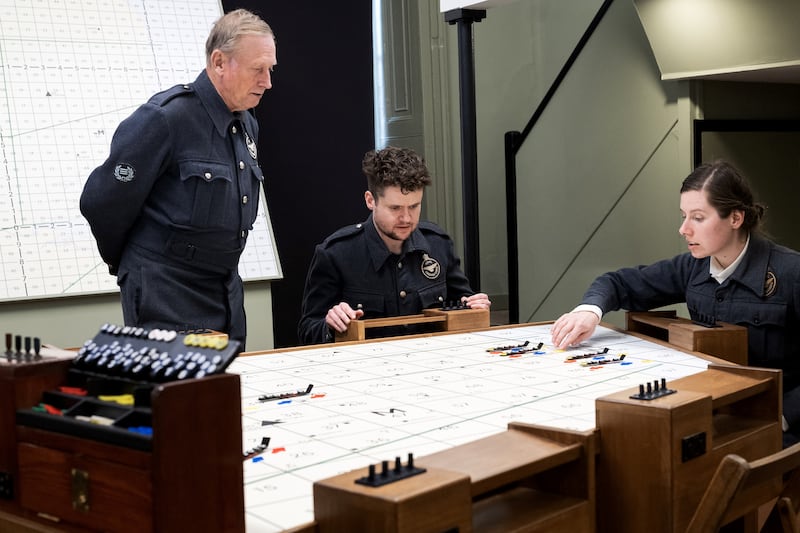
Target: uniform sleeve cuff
589 307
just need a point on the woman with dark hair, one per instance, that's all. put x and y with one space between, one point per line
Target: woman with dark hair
731 273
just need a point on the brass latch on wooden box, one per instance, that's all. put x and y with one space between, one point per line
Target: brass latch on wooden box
80 490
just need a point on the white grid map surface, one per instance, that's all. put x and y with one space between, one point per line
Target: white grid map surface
70 71
379 400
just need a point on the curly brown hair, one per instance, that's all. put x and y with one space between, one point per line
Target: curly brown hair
392 166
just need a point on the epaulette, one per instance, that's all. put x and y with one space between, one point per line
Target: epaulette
343 233
427 226
163 97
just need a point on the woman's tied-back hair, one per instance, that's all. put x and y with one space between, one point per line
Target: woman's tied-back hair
231 27
727 190
392 166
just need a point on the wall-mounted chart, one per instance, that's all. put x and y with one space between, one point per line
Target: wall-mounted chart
70 71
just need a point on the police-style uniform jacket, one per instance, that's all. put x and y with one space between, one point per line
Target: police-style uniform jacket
354 265
172 206
762 294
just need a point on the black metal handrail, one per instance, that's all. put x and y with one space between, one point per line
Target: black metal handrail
513 142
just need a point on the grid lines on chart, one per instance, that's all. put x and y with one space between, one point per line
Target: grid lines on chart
70 71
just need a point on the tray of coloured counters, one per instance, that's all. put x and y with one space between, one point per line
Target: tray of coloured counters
107 394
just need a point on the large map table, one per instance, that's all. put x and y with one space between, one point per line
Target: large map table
378 400
556 440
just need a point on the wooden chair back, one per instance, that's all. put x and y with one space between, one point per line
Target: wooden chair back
739 488
789 504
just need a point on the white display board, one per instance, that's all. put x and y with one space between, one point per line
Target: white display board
70 71
379 400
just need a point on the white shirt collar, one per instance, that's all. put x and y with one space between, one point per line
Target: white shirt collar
721 274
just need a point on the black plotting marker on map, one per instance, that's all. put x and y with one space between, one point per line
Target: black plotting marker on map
284 395
604 361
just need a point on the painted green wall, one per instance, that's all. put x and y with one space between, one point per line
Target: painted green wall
598 178
70 321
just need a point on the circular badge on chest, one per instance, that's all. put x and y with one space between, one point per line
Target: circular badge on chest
430 267
251 146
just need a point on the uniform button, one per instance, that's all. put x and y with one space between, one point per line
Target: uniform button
402 294
244 199
399 264
441 299
360 306
207 176
244 233
233 130
186 87
241 165
720 299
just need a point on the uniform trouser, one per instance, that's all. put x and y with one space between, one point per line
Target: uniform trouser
156 293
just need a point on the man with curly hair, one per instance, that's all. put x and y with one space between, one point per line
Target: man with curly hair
389 265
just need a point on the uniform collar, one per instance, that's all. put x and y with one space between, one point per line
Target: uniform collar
721 274
215 106
377 249
752 271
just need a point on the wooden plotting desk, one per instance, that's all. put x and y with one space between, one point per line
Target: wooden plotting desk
449 401
523 430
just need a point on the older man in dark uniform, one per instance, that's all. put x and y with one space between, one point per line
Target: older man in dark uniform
172 205
391 264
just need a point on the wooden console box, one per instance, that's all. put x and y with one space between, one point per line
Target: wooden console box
529 478
657 456
726 341
186 477
457 320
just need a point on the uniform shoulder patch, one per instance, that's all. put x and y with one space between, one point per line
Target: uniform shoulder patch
124 172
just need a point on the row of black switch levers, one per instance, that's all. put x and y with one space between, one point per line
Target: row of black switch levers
154 355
